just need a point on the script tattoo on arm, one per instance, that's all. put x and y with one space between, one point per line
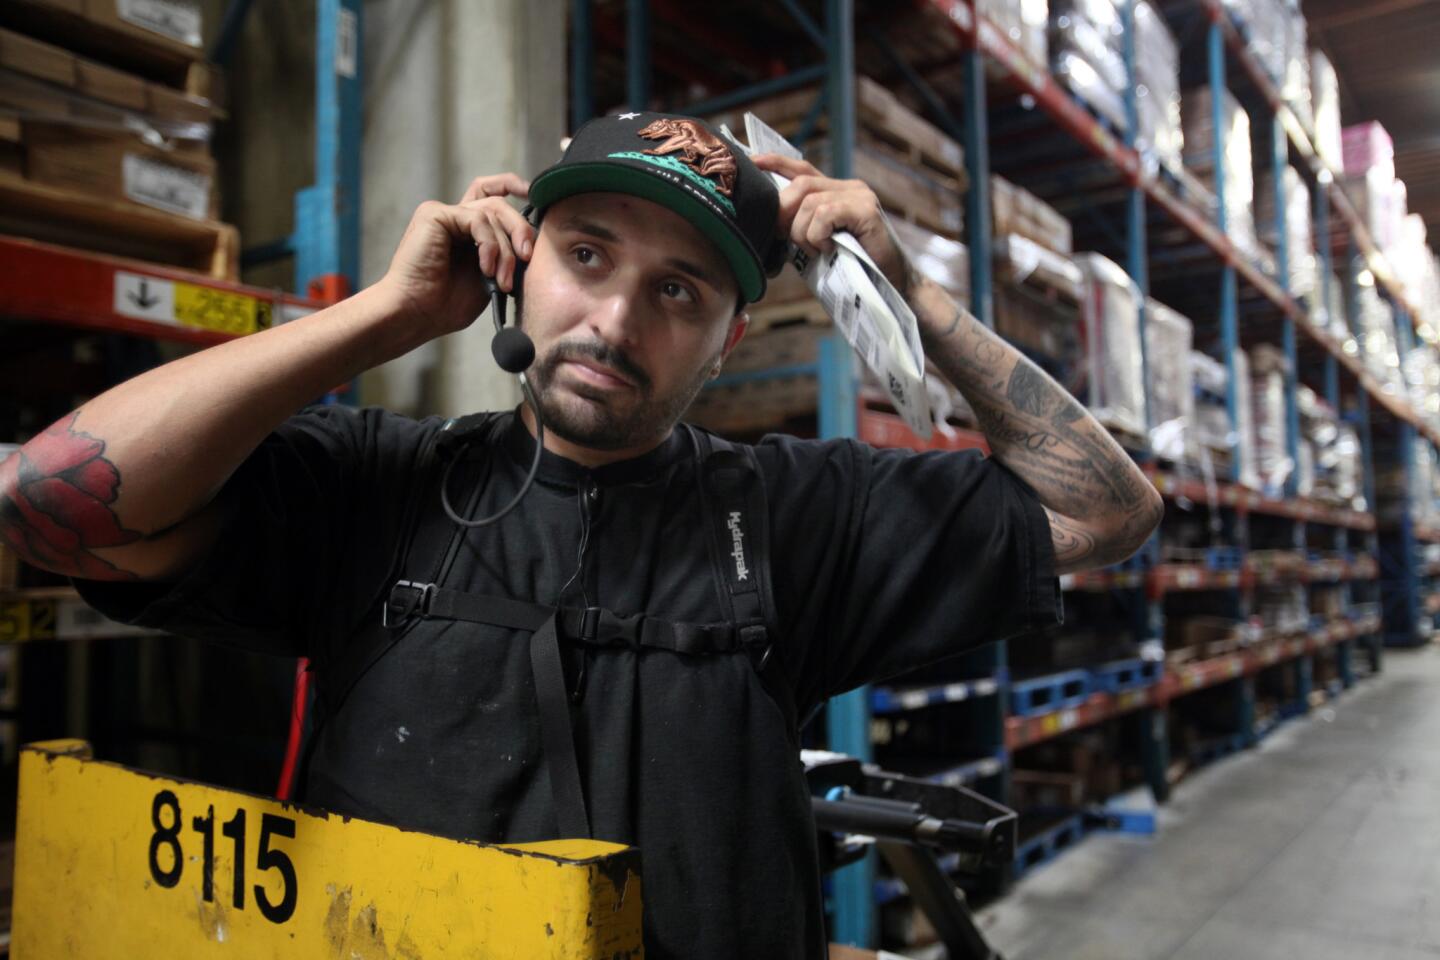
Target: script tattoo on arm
1101 506
56 496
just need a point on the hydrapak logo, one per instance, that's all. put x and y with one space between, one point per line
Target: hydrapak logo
737 550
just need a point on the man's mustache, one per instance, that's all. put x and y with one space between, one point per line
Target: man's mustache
602 353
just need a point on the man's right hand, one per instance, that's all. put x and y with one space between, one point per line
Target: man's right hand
437 271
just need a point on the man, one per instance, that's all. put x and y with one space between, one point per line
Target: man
193 498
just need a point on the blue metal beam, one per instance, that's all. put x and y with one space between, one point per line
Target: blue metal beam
977 198
848 716
327 215
582 63
802 77
1229 290
637 54
1279 147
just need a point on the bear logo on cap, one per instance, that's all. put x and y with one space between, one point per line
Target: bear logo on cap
699 149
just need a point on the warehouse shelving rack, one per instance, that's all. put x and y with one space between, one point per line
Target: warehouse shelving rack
59 286
1154 208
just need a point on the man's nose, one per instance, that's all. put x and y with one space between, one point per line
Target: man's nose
616 318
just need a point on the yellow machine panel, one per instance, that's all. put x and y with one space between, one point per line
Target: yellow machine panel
112 862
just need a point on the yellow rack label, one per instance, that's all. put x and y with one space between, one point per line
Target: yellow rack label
220 310
114 862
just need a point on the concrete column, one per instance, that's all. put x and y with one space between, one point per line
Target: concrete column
453 89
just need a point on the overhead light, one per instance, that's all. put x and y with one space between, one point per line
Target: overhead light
1366 278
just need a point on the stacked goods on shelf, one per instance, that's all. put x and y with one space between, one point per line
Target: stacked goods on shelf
1015 210
1334 322
1265 26
1038 287
1198 120
1375 332
916 170
1210 435
1157 78
1112 385
108 140
1299 247
1204 637
1332 449
1369 158
1295 82
1022 22
1087 55
1325 104
1037 303
1267 394
785 331
1169 337
1245 441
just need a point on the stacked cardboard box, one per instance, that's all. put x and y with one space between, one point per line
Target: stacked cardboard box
915 168
1023 23
1212 421
1015 210
105 109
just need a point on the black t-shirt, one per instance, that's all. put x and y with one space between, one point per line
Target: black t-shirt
882 561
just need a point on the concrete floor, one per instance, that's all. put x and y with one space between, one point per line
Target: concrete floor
1323 842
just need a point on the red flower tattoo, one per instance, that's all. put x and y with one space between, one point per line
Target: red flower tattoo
54 503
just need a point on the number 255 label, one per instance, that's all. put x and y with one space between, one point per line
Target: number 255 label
167 858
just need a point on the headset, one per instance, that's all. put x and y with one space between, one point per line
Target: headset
514 352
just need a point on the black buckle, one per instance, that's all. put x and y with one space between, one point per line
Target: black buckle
590 624
420 599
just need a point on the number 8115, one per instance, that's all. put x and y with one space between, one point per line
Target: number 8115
165 818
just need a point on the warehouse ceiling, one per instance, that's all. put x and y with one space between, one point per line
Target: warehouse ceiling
1389 66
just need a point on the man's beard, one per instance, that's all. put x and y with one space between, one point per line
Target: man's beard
603 420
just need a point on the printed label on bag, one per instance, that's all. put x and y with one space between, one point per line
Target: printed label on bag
160 185
176 19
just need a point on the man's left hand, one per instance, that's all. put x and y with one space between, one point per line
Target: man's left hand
814 207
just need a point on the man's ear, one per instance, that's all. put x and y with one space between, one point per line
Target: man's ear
738 325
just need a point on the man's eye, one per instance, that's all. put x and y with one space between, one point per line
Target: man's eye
677 290
584 255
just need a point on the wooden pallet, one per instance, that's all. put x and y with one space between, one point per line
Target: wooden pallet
120 228
882 120
94 29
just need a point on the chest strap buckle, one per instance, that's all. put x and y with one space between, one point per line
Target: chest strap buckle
407 598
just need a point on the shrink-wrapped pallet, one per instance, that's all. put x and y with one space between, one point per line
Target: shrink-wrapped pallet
1243 442
1087 55
1023 22
1110 317
1273 465
1325 104
1157 90
1197 113
1375 335
1211 423
1299 245
1169 337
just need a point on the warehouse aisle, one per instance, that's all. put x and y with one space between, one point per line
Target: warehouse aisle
1323 842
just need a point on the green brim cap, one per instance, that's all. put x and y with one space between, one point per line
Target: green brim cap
686 166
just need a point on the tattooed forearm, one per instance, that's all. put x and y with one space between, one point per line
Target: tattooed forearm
1042 433
56 494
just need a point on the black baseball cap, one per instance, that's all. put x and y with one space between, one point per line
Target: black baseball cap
685 165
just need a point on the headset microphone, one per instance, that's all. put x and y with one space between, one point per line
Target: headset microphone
514 352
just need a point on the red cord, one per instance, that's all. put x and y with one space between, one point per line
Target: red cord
297 729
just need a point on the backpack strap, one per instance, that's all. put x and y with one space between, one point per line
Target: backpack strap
429 544
733 497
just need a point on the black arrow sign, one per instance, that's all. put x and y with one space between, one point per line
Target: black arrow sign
143 299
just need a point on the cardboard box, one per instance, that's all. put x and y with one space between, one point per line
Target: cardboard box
111 86
33 58
1015 210
121 168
